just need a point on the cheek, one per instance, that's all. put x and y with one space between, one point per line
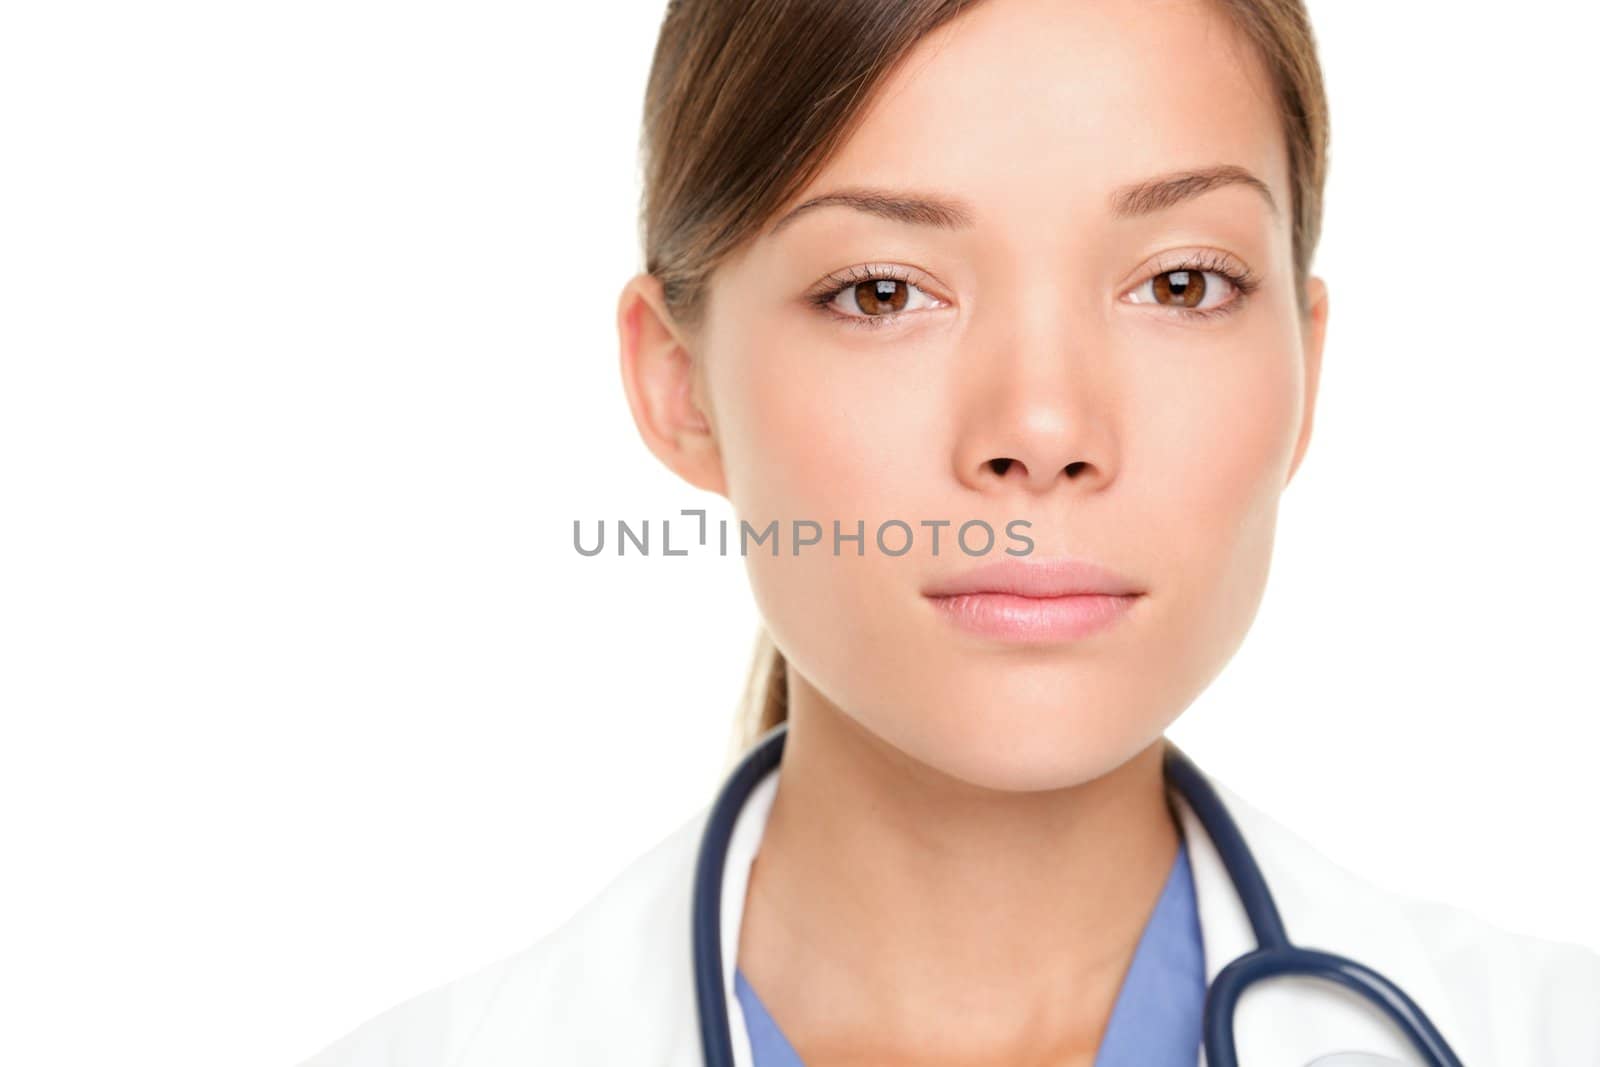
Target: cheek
1211 465
823 432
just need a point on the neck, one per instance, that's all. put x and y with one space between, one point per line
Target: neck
897 910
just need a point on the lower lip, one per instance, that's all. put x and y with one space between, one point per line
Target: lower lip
1023 618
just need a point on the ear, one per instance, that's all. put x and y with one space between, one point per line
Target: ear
663 385
1313 328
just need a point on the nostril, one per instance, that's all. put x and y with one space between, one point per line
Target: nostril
1000 466
1073 468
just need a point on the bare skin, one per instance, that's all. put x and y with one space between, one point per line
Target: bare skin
1017 914
969 834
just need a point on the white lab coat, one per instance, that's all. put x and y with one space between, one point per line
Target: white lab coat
613 984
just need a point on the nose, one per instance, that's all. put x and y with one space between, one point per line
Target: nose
1030 412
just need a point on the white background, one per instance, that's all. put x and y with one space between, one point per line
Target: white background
309 362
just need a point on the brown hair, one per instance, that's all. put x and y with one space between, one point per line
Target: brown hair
747 99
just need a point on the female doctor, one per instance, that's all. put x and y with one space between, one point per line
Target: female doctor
1039 267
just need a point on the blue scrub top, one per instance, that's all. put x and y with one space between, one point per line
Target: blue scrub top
1157 1016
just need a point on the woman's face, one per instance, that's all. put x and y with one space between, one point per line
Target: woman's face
1045 328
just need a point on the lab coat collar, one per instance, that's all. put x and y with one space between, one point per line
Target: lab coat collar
1279 1023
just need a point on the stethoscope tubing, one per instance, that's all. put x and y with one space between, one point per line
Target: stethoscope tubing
1222 999
1274 957
716 1038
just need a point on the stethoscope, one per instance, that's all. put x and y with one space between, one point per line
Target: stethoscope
1274 955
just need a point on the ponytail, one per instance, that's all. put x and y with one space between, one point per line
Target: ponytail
766 695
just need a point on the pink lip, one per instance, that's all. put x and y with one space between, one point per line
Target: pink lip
1038 600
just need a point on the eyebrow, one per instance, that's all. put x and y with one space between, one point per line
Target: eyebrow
945 213
1129 201
1154 194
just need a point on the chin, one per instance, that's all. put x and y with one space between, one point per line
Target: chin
1011 738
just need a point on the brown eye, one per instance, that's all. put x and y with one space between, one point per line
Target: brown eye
881 296
876 298
1186 288
1180 288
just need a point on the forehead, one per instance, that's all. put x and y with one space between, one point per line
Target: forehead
1036 109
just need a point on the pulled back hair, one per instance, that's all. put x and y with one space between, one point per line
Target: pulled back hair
747 99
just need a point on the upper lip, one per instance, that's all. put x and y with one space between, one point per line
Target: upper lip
1036 578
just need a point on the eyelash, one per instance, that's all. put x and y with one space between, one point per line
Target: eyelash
834 284
1243 280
